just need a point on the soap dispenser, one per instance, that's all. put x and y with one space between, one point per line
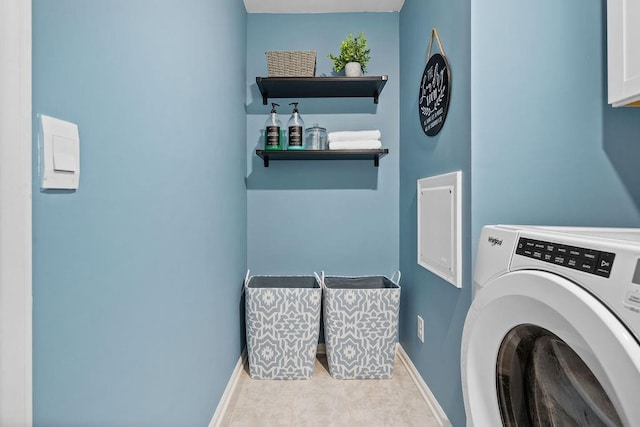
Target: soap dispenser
272 130
296 130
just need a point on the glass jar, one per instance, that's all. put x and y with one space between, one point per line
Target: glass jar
316 137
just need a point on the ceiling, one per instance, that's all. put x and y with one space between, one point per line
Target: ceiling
322 6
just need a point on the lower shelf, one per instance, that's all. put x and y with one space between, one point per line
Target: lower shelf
375 155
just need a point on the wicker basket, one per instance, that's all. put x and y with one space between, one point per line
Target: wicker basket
291 63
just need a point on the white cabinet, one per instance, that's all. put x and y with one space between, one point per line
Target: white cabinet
623 56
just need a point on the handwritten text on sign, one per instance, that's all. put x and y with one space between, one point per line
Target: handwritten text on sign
435 91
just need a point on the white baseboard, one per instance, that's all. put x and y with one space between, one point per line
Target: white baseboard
427 395
229 391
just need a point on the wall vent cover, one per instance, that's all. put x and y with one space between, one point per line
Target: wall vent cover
440 226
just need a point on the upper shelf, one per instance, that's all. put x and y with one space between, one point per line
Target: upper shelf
321 87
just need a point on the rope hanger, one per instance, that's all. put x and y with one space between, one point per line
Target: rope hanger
434 32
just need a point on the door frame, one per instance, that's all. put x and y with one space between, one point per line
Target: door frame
16 400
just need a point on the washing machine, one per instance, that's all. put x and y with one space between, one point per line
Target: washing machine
552 337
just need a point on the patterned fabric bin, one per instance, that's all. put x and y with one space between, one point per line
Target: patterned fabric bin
361 325
283 322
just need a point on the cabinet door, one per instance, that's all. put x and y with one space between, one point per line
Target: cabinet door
623 40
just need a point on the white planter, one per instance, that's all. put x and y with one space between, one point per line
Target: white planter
353 69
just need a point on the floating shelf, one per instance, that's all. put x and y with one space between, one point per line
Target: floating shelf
375 155
321 87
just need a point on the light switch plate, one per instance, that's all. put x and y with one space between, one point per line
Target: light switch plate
440 226
59 153
64 154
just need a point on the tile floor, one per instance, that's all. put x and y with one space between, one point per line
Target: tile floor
324 401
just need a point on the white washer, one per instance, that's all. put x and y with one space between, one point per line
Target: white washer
552 336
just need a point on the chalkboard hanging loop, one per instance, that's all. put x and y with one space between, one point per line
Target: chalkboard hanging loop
434 32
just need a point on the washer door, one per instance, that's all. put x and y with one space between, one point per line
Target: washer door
539 350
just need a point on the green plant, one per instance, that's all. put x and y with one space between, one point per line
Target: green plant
353 49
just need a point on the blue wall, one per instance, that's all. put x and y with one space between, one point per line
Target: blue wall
548 150
442 306
337 216
137 275
539 146
546 147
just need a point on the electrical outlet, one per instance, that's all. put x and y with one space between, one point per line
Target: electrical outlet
420 329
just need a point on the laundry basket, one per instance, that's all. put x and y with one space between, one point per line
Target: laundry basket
361 325
282 325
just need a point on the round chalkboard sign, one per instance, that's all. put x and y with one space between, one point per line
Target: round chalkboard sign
435 91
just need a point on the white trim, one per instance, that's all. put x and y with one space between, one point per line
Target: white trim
16 402
326 6
427 395
229 391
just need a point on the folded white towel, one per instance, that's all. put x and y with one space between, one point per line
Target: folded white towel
360 135
367 144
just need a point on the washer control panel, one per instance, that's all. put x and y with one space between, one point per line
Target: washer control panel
581 259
